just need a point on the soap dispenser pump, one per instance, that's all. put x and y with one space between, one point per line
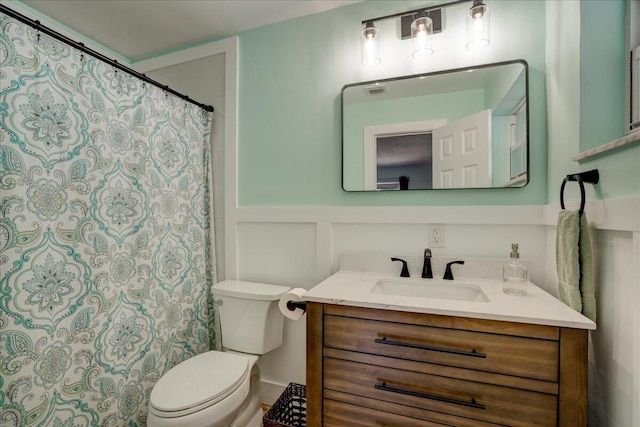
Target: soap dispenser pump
514 274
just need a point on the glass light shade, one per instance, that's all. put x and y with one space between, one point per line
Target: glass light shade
478 23
421 37
370 46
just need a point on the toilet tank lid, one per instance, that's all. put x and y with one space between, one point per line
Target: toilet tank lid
249 290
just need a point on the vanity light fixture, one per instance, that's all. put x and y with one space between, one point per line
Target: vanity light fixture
370 45
421 40
420 25
478 26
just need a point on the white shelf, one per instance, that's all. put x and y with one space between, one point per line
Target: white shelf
627 140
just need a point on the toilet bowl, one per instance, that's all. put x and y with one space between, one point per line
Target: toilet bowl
222 388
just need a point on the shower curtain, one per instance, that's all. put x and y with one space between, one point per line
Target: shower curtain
106 235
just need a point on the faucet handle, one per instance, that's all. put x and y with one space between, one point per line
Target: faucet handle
405 269
426 265
448 275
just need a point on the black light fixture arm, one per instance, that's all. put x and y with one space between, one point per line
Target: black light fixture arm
80 46
411 12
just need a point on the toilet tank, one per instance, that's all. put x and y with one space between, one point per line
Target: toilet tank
250 319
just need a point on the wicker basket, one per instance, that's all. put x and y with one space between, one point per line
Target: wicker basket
290 410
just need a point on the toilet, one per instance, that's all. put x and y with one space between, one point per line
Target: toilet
222 388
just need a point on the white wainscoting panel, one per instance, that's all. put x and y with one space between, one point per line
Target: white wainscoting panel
277 253
280 254
300 246
612 357
635 403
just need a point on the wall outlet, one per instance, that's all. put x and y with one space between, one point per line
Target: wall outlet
436 235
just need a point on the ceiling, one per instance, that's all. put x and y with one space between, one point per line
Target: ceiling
441 82
404 150
137 29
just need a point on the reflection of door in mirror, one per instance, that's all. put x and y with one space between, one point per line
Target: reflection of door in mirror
403 162
462 153
378 141
419 104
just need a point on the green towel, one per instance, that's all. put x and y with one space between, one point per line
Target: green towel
574 263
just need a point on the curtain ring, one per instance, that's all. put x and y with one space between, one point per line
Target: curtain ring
38 25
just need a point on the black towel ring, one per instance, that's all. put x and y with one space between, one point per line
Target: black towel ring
591 177
582 193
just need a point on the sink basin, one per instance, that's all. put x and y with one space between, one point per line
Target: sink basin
427 288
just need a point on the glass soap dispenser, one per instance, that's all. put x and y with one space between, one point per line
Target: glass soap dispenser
514 274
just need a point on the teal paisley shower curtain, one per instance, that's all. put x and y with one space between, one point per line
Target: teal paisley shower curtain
106 247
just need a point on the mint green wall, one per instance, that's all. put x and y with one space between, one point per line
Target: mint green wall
502 86
291 75
449 106
503 95
569 114
602 70
500 150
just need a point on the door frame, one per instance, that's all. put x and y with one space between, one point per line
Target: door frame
371 135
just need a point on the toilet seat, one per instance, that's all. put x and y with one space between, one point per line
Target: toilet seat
198 383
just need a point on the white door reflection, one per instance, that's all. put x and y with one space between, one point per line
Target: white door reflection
462 153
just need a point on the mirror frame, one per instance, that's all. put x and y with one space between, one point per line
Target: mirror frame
435 73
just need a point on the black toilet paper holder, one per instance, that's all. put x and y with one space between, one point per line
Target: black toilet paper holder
293 305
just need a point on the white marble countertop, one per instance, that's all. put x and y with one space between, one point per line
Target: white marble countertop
537 307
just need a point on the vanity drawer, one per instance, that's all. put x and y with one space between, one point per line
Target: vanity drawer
340 414
484 402
503 354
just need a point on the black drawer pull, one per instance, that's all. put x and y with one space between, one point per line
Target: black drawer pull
472 404
471 353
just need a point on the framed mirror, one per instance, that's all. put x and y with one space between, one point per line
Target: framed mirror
462 128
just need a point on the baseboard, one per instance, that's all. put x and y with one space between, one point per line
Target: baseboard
270 391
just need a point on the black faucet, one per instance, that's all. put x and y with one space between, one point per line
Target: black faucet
405 269
448 275
426 265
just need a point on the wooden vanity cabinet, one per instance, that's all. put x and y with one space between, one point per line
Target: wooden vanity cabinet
371 367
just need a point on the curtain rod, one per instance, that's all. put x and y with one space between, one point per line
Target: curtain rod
80 46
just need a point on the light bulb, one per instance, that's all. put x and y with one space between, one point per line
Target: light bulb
370 46
478 26
421 31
